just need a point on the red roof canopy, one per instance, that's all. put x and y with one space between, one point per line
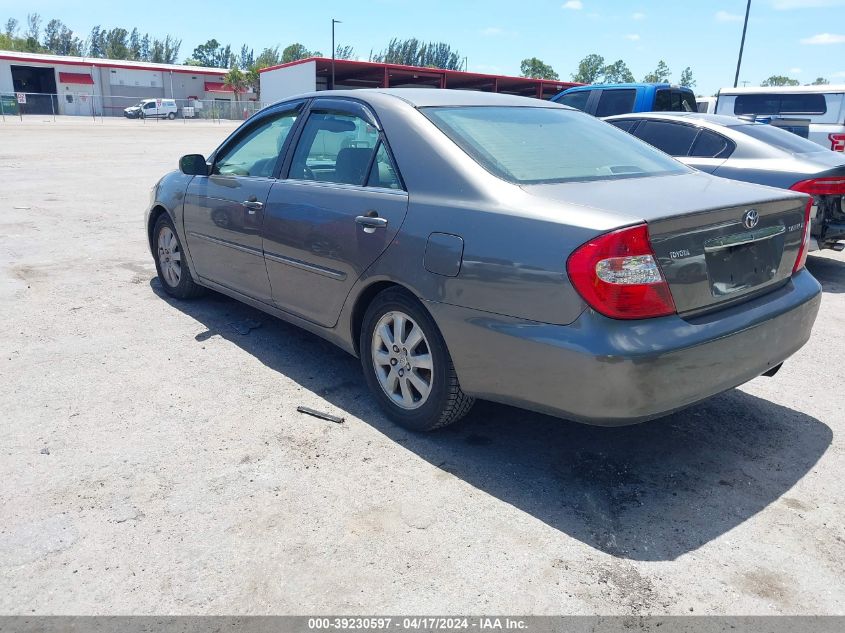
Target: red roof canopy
76 78
357 74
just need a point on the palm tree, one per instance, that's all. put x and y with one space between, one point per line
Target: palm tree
237 81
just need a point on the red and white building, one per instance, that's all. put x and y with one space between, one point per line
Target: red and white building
86 86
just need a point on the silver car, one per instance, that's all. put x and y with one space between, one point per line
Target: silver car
473 245
752 152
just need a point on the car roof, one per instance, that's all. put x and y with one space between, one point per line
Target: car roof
690 117
430 97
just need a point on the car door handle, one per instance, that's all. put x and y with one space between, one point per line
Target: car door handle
253 205
371 222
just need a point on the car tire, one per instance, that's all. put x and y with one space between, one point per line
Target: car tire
174 274
407 365
171 115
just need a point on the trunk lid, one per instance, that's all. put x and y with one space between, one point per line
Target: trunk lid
717 241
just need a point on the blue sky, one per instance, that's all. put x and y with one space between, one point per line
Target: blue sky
800 38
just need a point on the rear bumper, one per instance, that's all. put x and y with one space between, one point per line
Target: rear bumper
608 372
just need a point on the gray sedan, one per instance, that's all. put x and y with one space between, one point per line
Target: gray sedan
752 152
472 245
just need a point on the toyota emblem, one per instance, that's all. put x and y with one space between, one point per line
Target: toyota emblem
751 218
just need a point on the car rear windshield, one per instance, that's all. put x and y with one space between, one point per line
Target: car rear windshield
781 139
530 145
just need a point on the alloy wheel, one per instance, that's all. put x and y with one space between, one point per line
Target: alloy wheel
402 360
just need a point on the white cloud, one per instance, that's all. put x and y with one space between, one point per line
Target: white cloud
576 5
638 16
724 16
786 5
492 30
634 37
794 71
824 38
841 73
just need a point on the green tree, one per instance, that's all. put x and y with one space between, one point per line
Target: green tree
537 69
213 54
661 74
617 73
590 69
295 52
820 81
237 81
135 45
33 33
246 58
686 78
96 42
780 80
11 28
116 44
344 52
145 47
413 52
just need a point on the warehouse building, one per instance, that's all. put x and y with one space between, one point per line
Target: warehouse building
86 86
315 73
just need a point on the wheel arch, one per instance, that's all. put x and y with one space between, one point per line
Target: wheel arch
363 301
155 213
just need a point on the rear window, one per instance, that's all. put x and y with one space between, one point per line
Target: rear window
781 139
576 99
528 145
616 102
669 100
780 104
711 145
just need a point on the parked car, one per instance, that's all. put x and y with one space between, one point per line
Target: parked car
152 108
752 152
817 112
476 245
603 100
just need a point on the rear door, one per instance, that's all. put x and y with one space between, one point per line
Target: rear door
697 147
340 206
224 212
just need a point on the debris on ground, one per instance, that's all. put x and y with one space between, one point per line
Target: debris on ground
320 414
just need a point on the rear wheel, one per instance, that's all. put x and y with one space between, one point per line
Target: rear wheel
407 365
171 265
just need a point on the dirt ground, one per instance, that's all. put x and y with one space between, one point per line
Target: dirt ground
153 460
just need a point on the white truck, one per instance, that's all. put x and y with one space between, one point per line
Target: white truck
814 112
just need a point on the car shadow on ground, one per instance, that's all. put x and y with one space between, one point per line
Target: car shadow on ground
829 272
653 491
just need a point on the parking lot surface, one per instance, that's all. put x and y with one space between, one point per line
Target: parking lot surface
153 460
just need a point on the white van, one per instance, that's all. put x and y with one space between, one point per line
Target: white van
152 108
821 108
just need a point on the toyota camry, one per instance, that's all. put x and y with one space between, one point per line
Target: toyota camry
473 245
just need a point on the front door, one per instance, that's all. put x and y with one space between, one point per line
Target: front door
224 211
340 207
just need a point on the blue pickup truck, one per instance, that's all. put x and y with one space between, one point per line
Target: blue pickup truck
603 100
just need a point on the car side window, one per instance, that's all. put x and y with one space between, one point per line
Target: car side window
616 101
711 145
576 99
383 173
256 152
673 138
624 124
334 147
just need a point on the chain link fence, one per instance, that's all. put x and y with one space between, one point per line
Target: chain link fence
27 104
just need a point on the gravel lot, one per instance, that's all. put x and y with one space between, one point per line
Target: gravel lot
153 460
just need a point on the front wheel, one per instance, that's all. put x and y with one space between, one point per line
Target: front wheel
171 115
171 265
407 365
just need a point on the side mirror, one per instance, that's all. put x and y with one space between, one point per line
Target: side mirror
193 165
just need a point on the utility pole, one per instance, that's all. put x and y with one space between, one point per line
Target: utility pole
742 43
334 50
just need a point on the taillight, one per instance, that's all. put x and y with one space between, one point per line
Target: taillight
828 186
618 276
837 142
